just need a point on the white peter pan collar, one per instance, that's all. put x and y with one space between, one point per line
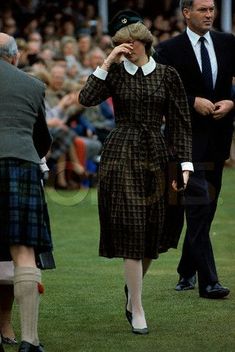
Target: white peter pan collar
147 68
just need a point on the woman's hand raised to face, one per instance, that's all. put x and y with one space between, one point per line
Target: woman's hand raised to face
116 54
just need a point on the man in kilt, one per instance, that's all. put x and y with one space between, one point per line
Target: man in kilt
24 222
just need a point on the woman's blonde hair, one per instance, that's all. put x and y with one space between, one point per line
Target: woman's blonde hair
135 31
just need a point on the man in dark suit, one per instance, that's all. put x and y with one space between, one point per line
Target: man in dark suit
206 67
24 140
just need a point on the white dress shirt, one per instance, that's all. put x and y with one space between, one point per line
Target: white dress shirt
194 39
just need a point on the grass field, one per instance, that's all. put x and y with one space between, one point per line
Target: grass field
82 309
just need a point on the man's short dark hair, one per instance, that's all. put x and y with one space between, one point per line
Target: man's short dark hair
186 4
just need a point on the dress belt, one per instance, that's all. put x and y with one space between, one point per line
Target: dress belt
153 151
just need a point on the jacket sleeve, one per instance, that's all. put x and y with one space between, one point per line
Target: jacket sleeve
165 57
178 120
41 135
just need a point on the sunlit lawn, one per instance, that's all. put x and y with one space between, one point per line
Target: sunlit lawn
82 309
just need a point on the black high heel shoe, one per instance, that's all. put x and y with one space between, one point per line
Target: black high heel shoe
128 313
143 331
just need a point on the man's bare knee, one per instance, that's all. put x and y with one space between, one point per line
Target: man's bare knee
23 256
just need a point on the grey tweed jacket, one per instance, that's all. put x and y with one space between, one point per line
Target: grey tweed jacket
23 129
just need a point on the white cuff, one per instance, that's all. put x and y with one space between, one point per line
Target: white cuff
43 165
100 73
187 166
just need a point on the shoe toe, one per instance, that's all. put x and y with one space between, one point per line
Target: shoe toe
215 291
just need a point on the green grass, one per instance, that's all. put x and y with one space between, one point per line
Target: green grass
82 309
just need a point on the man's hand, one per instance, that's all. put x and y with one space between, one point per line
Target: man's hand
222 108
204 106
218 110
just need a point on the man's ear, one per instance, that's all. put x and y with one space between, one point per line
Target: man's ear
186 13
15 59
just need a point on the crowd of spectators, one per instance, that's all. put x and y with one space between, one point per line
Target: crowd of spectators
62 42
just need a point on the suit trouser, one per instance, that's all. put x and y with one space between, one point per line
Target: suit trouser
201 198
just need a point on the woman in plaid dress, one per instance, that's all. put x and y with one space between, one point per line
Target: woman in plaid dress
24 222
133 177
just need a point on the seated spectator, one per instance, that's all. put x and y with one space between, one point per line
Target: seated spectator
60 105
67 26
86 132
105 43
47 54
35 36
81 126
97 57
9 26
84 47
69 50
102 118
29 53
62 148
55 90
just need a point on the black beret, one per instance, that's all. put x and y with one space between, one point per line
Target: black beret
123 19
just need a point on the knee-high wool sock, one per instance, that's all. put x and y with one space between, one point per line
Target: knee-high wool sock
26 292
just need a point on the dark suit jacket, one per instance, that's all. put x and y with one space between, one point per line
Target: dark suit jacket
211 139
23 129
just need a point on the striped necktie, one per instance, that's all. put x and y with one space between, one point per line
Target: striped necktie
206 68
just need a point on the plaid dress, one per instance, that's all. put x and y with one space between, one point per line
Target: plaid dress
23 211
133 168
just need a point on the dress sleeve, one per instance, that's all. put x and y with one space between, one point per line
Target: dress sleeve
178 120
94 92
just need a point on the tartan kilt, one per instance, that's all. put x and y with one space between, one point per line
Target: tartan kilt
23 210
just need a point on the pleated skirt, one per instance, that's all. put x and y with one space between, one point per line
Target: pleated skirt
24 218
